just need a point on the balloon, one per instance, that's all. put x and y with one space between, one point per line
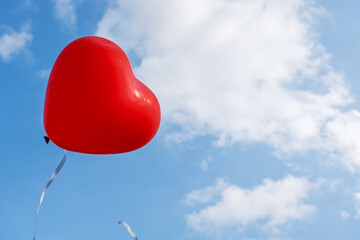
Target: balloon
95 104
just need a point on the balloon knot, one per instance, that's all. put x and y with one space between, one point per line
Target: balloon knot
47 139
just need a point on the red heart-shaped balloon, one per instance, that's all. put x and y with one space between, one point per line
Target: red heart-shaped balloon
95 104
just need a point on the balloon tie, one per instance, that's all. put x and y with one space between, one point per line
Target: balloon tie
57 170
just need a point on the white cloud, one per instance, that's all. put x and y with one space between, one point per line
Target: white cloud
344 214
65 12
242 71
206 195
334 184
13 43
357 204
342 136
27 5
44 73
204 164
276 202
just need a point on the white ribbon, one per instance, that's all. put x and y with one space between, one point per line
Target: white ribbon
57 170
128 228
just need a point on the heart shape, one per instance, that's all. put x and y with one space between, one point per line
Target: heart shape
95 104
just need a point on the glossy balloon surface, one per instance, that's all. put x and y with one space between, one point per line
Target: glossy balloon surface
95 104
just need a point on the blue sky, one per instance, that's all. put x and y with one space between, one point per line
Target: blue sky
259 132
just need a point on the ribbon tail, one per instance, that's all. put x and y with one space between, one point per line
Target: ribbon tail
57 170
128 228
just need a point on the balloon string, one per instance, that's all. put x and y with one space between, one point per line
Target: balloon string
128 228
57 170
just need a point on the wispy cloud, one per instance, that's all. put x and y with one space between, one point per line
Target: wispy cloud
357 204
206 195
12 43
275 202
65 12
26 5
44 73
344 214
204 164
242 71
